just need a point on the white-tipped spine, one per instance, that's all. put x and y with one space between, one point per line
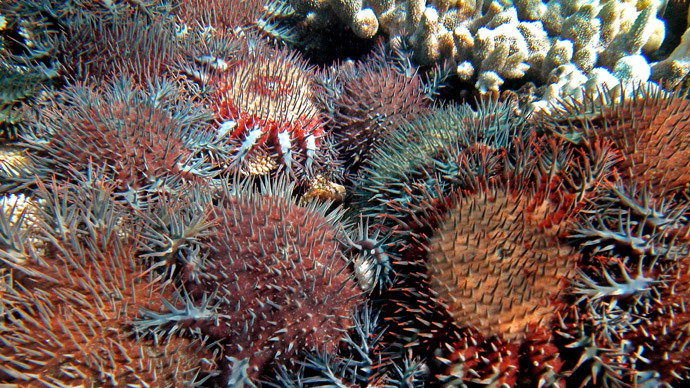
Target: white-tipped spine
285 150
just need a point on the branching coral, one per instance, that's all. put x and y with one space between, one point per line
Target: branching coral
493 42
676 66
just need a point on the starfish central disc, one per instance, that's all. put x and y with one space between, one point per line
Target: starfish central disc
495 267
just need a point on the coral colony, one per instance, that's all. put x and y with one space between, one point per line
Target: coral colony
345 193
